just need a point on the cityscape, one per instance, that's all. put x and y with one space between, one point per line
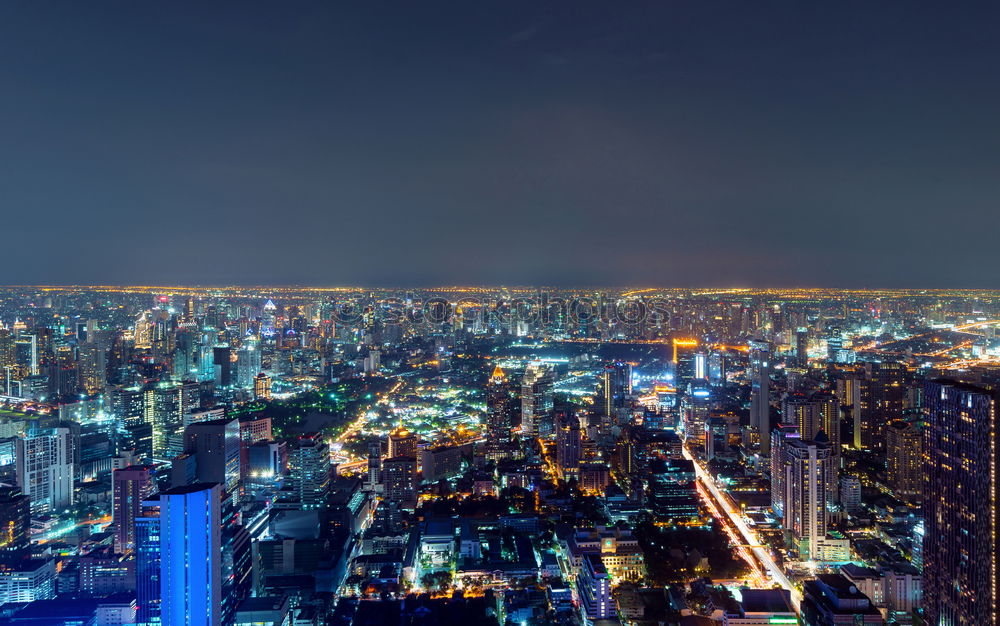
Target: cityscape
514 456
499 313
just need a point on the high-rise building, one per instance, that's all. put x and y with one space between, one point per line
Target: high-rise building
45 469
309 471
904 459
166 407
402 442
616 386
131 486
215 445
807 493
191 555
499 417
569 445
760 389
536 401
595 588
262 386
780 465
960 504
802 346
15 526
876 392
373 480
400 480
248 364
147 562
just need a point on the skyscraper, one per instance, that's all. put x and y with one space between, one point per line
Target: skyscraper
191 555
960 504
780 465
309 471
402 442
904 459
569 444
760 389
616 385
45 469
400 478
147 561
807 493
131 487
499 418
536 401
215 445
15 525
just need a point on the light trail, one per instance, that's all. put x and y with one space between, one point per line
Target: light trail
749 537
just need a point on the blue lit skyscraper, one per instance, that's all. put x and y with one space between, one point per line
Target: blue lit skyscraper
147 562
191 555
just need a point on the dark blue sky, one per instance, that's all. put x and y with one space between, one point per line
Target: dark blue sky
598 143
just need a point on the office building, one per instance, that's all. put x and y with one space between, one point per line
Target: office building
191 555
45 469
760 402
131 486
904 459
960 504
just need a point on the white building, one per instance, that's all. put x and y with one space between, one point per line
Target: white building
45 469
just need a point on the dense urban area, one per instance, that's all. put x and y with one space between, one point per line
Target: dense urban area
293 456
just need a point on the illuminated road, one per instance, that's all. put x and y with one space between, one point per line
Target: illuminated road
736 519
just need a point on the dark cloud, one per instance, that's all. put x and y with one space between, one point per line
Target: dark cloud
694 143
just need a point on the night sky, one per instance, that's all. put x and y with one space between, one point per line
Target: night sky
852 144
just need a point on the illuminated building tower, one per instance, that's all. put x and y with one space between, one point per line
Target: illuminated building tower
876 394
569 446
672 490
309 471
45 469
373 480
26 354
960 504
166 405
262 386
93 368
802 347
812 414
499 417
760 389
131 487
834 344
904 459
215 445
191 555
716 438
267 319
594 586
400 480
700 366
716 369
807 493
683 360
780 465
616 386
15 526
402 443
536 401
247 365
253 429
